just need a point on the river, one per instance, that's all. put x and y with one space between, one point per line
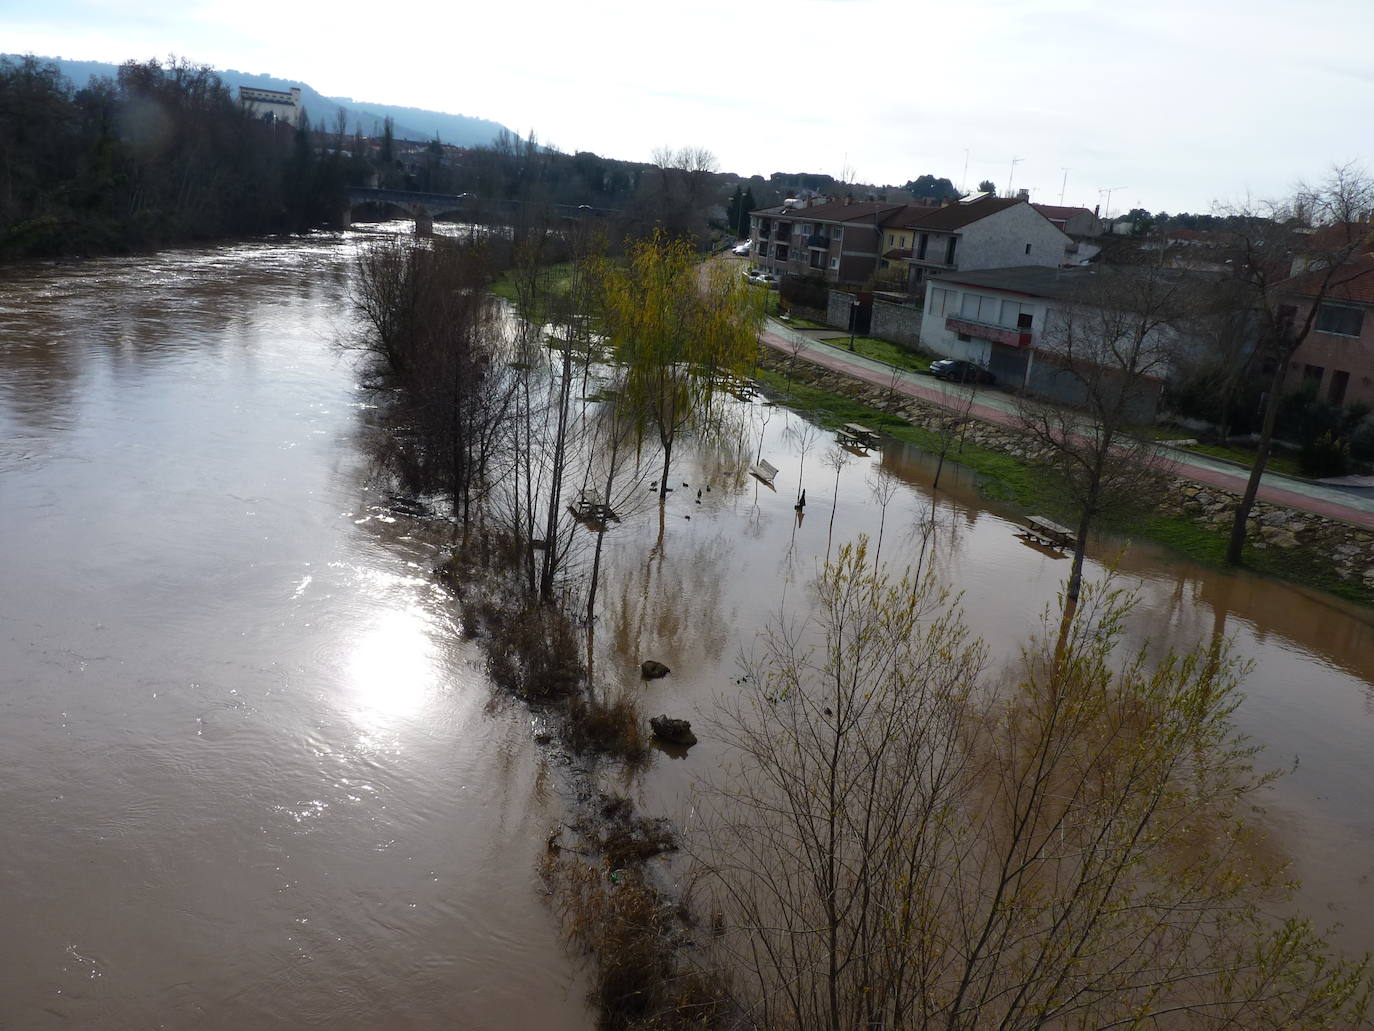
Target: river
249 774
252 775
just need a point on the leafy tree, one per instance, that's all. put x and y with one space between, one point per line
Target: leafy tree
901 844
987 186
929 186
678 327
746 206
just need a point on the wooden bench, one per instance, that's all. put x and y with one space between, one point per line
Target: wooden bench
764 470
1050 532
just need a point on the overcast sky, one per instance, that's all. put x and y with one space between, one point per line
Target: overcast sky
1178 104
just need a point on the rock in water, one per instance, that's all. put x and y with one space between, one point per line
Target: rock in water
653 670
675 732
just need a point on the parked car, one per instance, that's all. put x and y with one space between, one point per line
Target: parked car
960 371
742 249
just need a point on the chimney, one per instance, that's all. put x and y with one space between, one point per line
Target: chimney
1096 209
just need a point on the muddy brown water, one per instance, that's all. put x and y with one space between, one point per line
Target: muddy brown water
743 558
251 774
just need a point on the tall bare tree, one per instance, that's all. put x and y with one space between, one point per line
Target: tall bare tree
1322 234
1111 344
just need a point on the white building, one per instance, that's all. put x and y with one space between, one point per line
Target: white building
272 105
1014 321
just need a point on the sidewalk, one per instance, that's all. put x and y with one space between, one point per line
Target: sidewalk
999 408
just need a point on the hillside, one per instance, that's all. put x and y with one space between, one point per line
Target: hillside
411 123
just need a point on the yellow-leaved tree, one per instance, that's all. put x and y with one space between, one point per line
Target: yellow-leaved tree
679 328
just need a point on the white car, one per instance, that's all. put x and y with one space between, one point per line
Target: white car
742 249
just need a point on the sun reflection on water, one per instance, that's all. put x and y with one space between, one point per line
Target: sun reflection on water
392 668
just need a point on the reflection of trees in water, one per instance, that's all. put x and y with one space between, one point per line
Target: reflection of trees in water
669 607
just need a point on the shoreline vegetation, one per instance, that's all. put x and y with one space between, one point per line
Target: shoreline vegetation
788 907
1012 478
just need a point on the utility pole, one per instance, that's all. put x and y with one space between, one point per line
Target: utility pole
1012 176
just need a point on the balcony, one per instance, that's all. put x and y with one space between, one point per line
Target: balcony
1009 336
820 242
782 233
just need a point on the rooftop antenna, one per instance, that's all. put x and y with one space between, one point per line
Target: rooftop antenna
1108 190
1012 175
1063 186
963 183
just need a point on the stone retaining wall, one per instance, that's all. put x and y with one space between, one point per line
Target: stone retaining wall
899 322
1334 548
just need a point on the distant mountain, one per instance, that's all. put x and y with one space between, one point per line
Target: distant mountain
411 123
459 130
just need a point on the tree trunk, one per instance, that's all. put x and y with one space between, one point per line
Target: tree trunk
1236 547
1080 548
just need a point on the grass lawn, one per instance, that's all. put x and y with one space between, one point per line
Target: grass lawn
1010 479
797 322
1279 463
883 351
558 281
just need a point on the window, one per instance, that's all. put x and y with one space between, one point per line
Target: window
805 229
1023 321
889 239
837 232
1027 248
834 262
940 299
949 250
1346 322
1312 375
1340 379
921 249
964 338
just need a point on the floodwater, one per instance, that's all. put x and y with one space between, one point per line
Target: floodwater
727 566
250 775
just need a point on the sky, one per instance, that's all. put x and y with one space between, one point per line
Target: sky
1173 105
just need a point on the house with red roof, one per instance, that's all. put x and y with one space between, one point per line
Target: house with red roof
900 244
1074 221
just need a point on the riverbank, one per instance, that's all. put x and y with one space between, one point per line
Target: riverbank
1305 548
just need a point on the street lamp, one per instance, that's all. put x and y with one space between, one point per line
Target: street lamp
853 319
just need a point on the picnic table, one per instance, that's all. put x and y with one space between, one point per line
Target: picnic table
1050 532
857 435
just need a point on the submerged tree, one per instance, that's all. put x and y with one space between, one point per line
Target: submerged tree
902 845
679 328
1110 347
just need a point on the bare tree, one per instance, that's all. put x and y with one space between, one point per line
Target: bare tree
1111 346
897 847
1321 234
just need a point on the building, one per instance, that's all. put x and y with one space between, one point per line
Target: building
898 245
1337 357
272 105
1073 221
1013 322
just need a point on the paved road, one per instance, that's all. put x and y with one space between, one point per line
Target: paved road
1000 408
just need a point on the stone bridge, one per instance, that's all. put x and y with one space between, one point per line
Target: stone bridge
424 208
